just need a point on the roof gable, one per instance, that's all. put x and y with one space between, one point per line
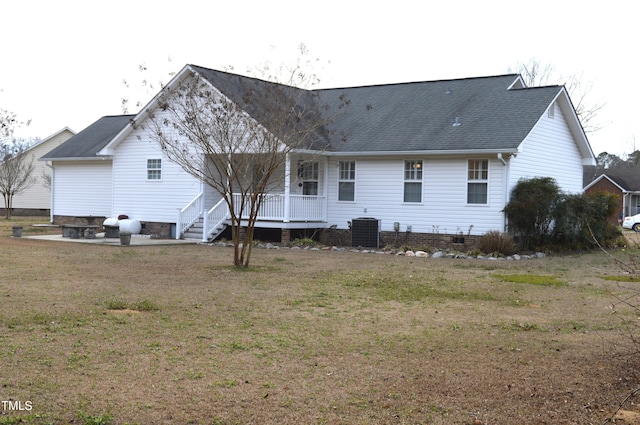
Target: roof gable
53 136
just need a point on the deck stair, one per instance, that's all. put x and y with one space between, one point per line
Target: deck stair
195 231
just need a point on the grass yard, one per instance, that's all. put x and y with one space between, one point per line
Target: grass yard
94 334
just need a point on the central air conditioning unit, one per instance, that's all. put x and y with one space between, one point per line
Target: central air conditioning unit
365 232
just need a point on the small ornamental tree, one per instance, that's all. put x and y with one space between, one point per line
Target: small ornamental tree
16 166
236 134
16 172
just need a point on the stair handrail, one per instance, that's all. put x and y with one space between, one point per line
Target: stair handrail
214 218
188 215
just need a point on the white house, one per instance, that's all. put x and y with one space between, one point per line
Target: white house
36 200
420 159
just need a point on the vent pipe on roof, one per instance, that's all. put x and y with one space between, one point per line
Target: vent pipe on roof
448 90
457 122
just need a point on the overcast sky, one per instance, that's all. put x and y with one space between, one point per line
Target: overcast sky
63 62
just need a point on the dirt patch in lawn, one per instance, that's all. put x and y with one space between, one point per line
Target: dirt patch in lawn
126 311
312 337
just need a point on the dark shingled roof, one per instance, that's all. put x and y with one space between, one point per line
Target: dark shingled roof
405 117
89 141
419 116
627 178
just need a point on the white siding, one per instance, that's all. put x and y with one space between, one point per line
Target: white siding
82 188
148 200
549 151
444 208
38 196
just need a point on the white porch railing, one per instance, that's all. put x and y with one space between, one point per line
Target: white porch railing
214 218
274 207
189 215
301 208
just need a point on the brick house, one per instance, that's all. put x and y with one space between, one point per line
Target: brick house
624 182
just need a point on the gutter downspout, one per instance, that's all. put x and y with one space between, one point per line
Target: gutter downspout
505 176
53 174
625 213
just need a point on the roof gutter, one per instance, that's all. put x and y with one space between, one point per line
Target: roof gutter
498 152
90 158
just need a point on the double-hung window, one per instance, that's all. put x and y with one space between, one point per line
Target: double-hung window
412 181
154 169
477 181
308 173
347 181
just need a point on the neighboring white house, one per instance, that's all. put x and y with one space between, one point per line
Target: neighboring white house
36 200
423 158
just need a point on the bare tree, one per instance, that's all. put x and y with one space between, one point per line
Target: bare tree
45 178
534 74
236 134
145 89
16 171
16 167
8 123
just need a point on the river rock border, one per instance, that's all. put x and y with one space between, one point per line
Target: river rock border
419 254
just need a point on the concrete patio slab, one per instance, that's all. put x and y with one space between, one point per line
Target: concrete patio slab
136 240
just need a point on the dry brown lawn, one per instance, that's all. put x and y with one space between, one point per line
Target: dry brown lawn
95 334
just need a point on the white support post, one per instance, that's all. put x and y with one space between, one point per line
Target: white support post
203 211
179 224
287 188
325 188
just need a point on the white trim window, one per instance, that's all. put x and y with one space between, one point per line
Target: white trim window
412 181
154 169
477 181
347 181
308 173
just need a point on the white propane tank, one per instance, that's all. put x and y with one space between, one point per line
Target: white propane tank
110 222
132 226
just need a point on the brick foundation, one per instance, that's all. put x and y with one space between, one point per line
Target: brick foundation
156 230
285 236
458 242
26 212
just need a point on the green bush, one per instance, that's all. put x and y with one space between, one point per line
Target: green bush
307 241
581 220
530 210
541 217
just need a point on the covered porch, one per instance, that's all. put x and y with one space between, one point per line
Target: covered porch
297 201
